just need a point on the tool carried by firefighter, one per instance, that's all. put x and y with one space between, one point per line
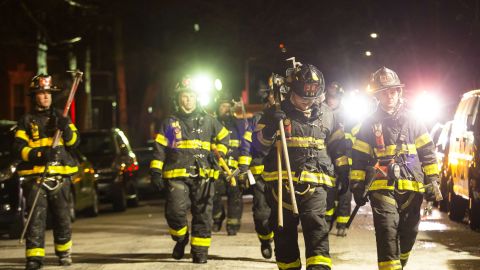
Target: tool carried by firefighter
223 164
77 77
277 82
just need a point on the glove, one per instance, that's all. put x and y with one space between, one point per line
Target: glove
359 199
279 115
243 168
50 155
270 130
62 123
342 181
429 194
157 180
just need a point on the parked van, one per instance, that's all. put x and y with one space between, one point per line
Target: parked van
463 171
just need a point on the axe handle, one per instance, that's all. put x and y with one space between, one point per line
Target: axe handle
280 185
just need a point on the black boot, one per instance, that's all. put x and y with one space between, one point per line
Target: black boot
199 257
231 231
65 260
33 265
342 232
179 249
266 249
217 226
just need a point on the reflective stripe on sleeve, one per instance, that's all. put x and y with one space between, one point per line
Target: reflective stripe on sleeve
422 140
162 140
156 164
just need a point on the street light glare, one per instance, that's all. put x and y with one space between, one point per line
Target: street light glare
218 84
368 53
202 84
373 35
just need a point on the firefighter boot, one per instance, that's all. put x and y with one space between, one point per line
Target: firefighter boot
342 232
199 257
179 249
65 260
33 265
217 226
266 249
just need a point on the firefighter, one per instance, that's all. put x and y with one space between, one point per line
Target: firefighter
236 129
339 198
260 208
313 144
33 145
402 154
183 164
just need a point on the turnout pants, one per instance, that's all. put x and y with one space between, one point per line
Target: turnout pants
261 211
56 203
396 217
234 204
196 194
311 207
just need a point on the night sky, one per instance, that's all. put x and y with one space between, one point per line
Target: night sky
432 44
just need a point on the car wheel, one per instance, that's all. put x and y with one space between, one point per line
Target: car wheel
457 206
18 224
92 211
119 199
132 200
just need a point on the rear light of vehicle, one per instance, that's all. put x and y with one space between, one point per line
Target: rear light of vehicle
133 167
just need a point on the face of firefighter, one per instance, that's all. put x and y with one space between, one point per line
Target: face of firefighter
43 99
225 109
389 99
188 101
301 103
333 102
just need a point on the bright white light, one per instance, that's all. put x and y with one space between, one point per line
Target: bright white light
356 106
218 84
368 53
202 84
204 100
426 107
374 35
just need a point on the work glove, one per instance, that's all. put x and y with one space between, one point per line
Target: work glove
359 199
429 194
49 154
342 180
62 123
157 180
279 115
243 168
271 129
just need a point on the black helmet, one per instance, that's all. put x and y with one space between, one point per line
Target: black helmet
42 82
307 81
383 79
334 90
184 85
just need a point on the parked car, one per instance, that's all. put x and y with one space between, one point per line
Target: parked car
115 165
12 202
463 171
441 138
145 186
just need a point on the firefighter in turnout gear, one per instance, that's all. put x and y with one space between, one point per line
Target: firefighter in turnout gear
402 154
183 163
339 198
260 208
236 129
33 145
314 144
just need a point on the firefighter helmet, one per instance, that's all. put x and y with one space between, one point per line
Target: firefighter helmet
307 82
334 90
383 79
184 85
42 82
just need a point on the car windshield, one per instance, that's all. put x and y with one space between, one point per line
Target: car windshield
95 144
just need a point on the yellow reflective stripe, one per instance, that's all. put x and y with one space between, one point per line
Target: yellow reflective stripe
341 161
390 265
286 266
362 146
63 247
72 127
176 173
412 185
232 163
25 151
357 175
51 170
222 148
337 135
181 232
390 150
244 160
193 144
381 184
214 174
22 134
306 142
156 164
356 129
257 169
431 169
404 256
330 212
162 140
248 136
305 176
422 140
259 127
319 260
342 219
43 142
72 140
265 236
234 143
222 134
35 252
201 242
